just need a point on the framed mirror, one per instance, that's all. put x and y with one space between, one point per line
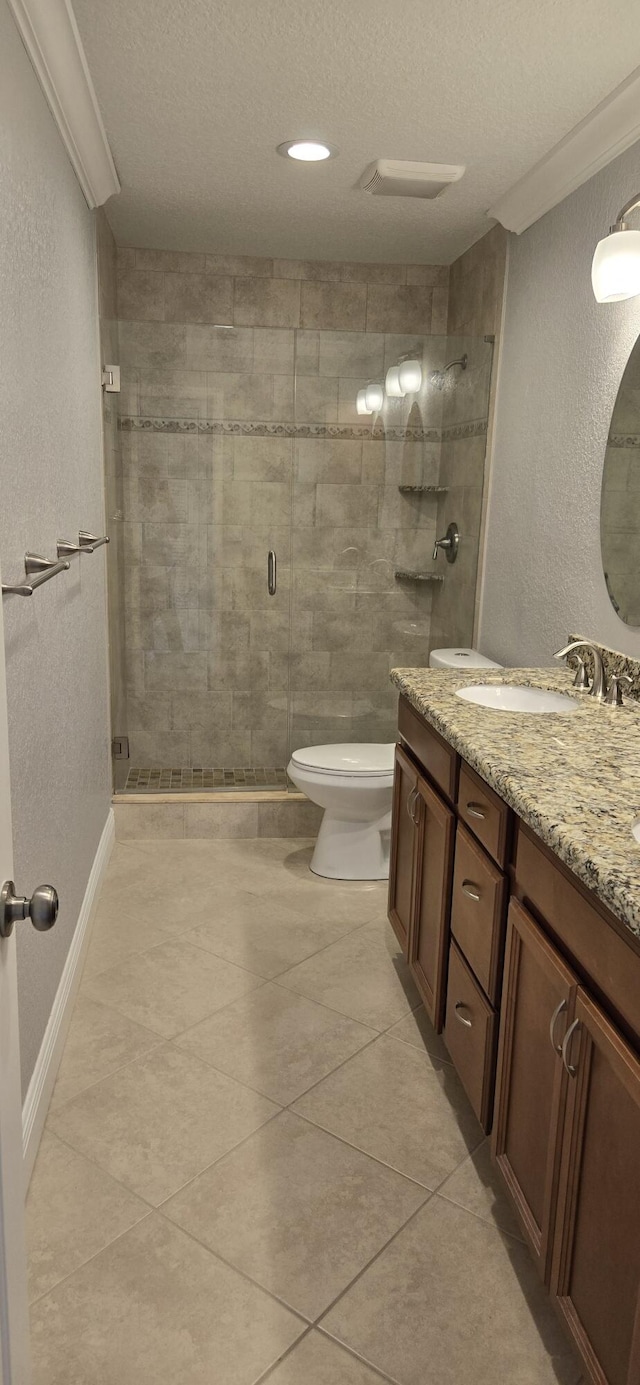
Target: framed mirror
620 497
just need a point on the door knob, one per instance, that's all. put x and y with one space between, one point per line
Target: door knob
42 908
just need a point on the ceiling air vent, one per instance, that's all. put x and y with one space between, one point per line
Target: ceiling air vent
400 178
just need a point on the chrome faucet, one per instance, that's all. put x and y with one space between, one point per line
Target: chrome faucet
598 688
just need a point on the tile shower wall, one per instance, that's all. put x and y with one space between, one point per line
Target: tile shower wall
239 434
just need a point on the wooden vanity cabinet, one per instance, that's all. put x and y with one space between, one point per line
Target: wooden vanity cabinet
595 1276
566 1127
420 880
538 1002
403 847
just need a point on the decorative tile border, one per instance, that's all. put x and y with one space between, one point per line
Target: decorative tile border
240 428
476 429
623 440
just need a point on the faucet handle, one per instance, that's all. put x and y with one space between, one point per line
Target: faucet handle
613 697
581 679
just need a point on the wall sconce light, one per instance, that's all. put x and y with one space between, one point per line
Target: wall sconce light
361 403
392 383
615 272
410 377
374 397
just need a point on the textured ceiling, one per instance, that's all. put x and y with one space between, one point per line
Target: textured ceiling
195 97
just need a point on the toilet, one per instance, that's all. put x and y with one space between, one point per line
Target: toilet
354 785
460 658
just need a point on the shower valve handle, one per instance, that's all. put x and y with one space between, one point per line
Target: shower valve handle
449 544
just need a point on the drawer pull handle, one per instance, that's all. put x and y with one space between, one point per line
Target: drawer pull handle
475 811
460 1005
559 1010
566 1042
473 891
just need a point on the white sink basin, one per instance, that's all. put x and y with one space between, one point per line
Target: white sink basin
635 831
505 697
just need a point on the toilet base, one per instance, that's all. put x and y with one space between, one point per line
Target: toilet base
347 850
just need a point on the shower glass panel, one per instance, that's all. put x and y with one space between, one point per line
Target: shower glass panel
207 455
370 495
263 525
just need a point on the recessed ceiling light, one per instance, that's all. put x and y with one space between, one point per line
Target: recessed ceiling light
307 150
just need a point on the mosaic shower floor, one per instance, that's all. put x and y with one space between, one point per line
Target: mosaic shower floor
141 780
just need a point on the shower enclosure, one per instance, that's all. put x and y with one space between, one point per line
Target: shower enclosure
259 524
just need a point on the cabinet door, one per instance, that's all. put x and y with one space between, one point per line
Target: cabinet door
596 1261
537 1005
429 940
403 847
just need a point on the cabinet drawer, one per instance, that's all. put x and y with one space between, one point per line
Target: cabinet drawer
470 1035
478 911
484 813
438 759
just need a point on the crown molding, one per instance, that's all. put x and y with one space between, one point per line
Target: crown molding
606 132
50 35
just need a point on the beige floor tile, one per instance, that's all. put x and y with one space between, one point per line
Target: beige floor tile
317 1360
264 934
73 1211
100 1040
477 1186
363 975
155 1308
276 1041
296 1210
416 1029
171 987
157 1123
158 886
450 1300
116 935
399 1106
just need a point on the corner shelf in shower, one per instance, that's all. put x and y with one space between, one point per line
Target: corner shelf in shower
423 490
402 575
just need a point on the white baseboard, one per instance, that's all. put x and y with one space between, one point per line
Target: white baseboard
36 1102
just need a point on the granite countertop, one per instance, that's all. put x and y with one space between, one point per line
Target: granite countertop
575 780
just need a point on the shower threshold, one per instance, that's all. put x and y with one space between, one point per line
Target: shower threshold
185 780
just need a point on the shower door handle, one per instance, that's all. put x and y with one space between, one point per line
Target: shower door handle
272 572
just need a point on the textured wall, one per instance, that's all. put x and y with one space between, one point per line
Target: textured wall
243 437
51 475
562 361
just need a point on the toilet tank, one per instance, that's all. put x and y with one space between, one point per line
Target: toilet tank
460 658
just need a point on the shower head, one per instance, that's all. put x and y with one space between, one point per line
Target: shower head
439 377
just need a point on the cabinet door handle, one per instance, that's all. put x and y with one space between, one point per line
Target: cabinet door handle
460 1005
412 794
272 572
473 891
566 1042
559 1010
475 811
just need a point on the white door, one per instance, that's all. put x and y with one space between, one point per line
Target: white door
15 1368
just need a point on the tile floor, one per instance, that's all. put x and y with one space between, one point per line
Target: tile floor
258 1163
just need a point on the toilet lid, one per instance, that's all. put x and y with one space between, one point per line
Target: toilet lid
346 759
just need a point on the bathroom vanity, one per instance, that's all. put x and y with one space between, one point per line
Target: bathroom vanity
515 894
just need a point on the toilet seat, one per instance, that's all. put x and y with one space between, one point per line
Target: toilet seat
348 760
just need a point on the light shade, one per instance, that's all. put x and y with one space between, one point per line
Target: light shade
392 383
410 376
374 397
307 150
361 403
615 272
